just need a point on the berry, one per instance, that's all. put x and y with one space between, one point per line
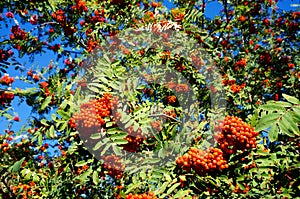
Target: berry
92 114
16 118
114 166
202 162
149 195
233 134
6 98
6 80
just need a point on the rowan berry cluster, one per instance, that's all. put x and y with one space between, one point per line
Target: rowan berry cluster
80 6
133 144
233 134
202 162
6 98
240 64
237 189
171 113
72 123
180 67
171 99
24 190
44 85
237 88
182 88
4 55
93 112
114 166
82 169
17 33
149 195
55 47
103 106
6 80
226 81
4 147
98 17
156 125
59 16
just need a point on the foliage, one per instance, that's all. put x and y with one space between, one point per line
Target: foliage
140 100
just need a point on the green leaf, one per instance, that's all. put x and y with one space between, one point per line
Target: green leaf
95 136
120 141
94 89
283 127
36 178
267 121
113 131
46 102
292 125
85 175
105 148
168 177
182 193
8 116
162 188
118 136
133 186
44 122
98 145
52 131
296 114
173 188
291 99
80 163
95 178
17 165
129 123
53 117
117 150
283 104
40 139
273 133
272 107
106 58
63 114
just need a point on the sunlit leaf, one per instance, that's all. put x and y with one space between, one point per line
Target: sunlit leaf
17 165
291 99
267 121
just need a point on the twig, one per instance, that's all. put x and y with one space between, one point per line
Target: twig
159 115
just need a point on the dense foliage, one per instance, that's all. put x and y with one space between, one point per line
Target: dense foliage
144 100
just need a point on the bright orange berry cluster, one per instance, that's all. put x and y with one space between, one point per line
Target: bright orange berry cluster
80 6
240 64
6 80
171 99
149 195
134 139
156 125
133 144
182 88
237 189
72 123
24 190
235 88
6 97
233 134
114 166
4 55
201 162
93 112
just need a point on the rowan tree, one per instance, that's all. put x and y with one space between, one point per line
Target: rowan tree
147 99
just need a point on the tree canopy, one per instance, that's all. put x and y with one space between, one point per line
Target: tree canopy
149 99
